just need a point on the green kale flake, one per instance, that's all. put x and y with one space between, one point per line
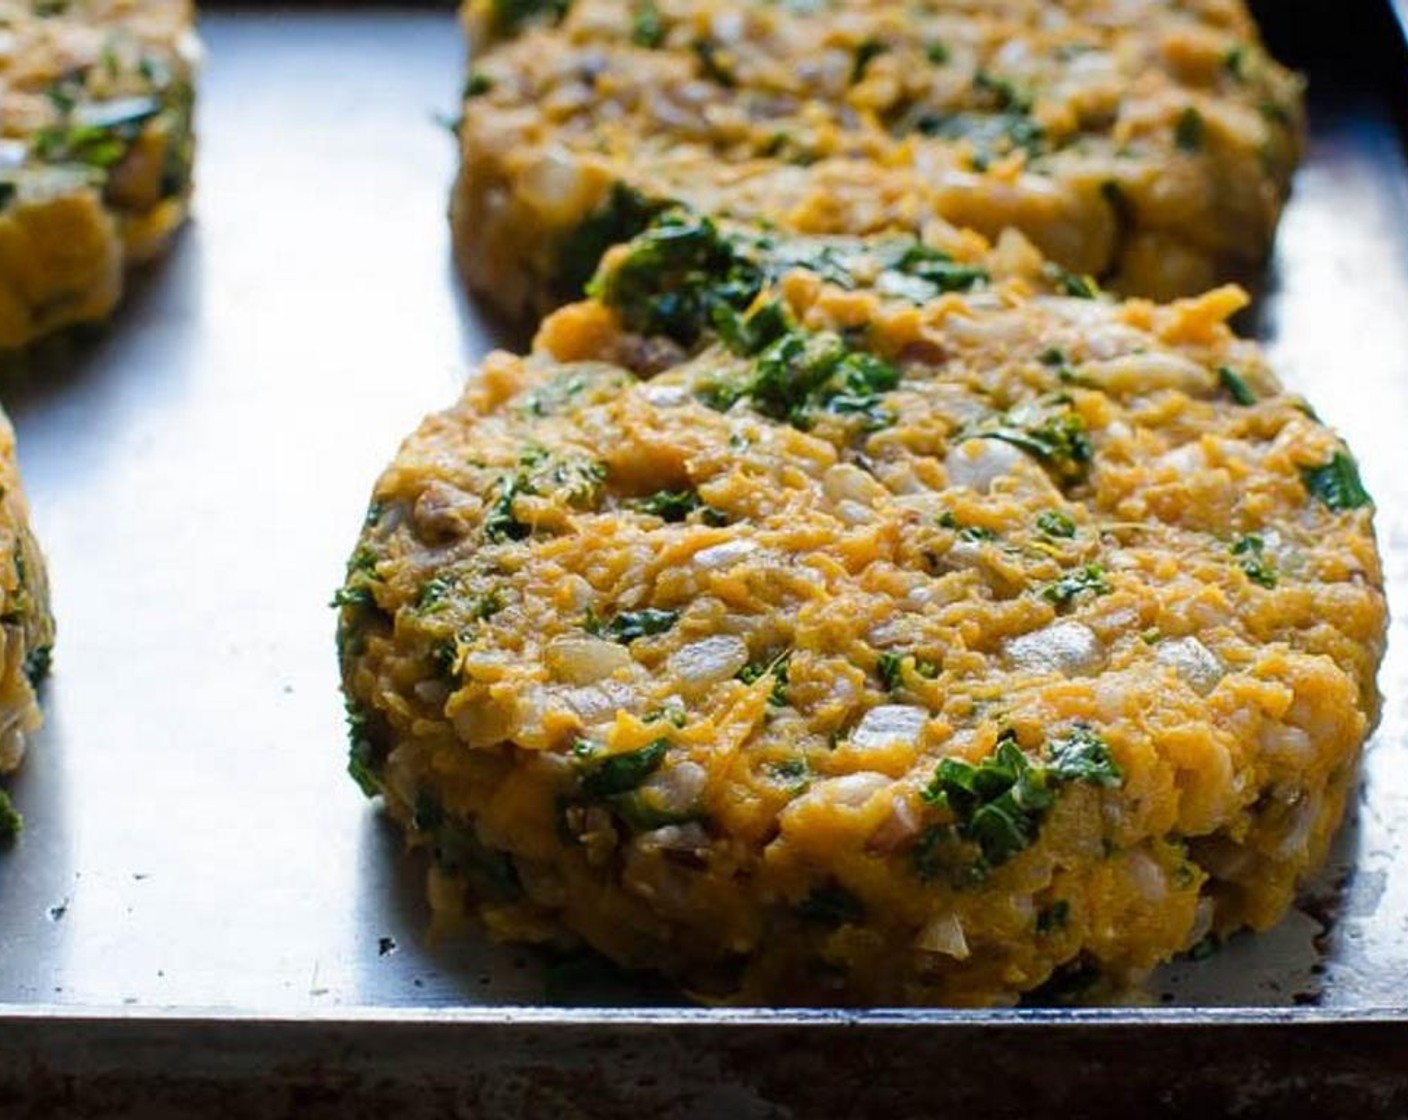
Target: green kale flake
1236 387
647 28
676 276
715 68
37 663
669 505
627 626
866 53
937 53
11 823
1064 591
621 773
1190 131
624 214
1053 523
1071 283
1058 440
754 671
1337 483
1251 556
477 84
1083 756
831 905
940 271
500 525
363 757
890 669
999 804
510 16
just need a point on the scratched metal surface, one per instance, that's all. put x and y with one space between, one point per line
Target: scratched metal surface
198 474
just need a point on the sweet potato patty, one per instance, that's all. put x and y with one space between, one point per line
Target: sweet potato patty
824 620
1150 145
26 627
95 152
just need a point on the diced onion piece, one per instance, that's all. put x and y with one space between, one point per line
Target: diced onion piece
704 663
585 660
1198 667
978 463
850 791
1069 648
944 934
724 555
888 724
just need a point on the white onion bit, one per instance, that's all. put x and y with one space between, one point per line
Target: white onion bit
1069 648
888 724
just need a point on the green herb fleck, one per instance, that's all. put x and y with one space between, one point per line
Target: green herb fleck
510 16
1053 523
647 28
1236 387
1190 130
627 626
669 505
11 823
1058 440
477 84
1337 483
937 53
1064 591
1071 283
37 663
714 67
866 53
624 214
1259 567
1083 756
622 773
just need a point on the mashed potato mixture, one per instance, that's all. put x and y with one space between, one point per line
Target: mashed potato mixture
867 621
95 152
1149 145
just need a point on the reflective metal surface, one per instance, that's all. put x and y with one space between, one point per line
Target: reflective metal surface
198 476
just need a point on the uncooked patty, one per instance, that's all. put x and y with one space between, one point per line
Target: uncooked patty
922 628
1150 145
26 627
95 152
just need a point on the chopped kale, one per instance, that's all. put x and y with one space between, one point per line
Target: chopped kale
1054 523
866 53
1190 130
363 757
500 525
622 773
433 593
627 626
1236 387
1002 92
939 270
1337 483
998 805
1083 756
1058 440
647 28
713 67
11 823
37 663
1064 591
831 905
991 134
1235 62
669 505
676 275
754 671
1251 556
353 595
890 669
97 134
625 213
937 53
805 373
477 84
1070 283
511 15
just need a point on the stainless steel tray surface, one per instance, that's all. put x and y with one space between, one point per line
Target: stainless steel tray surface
195 859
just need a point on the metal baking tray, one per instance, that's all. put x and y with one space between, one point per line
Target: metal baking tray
203 914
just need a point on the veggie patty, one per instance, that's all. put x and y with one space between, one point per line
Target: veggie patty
886 621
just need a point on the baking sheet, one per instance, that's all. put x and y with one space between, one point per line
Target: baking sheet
198 474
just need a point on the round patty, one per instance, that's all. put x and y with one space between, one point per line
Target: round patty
26 627
830 622
95 153
1150 145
